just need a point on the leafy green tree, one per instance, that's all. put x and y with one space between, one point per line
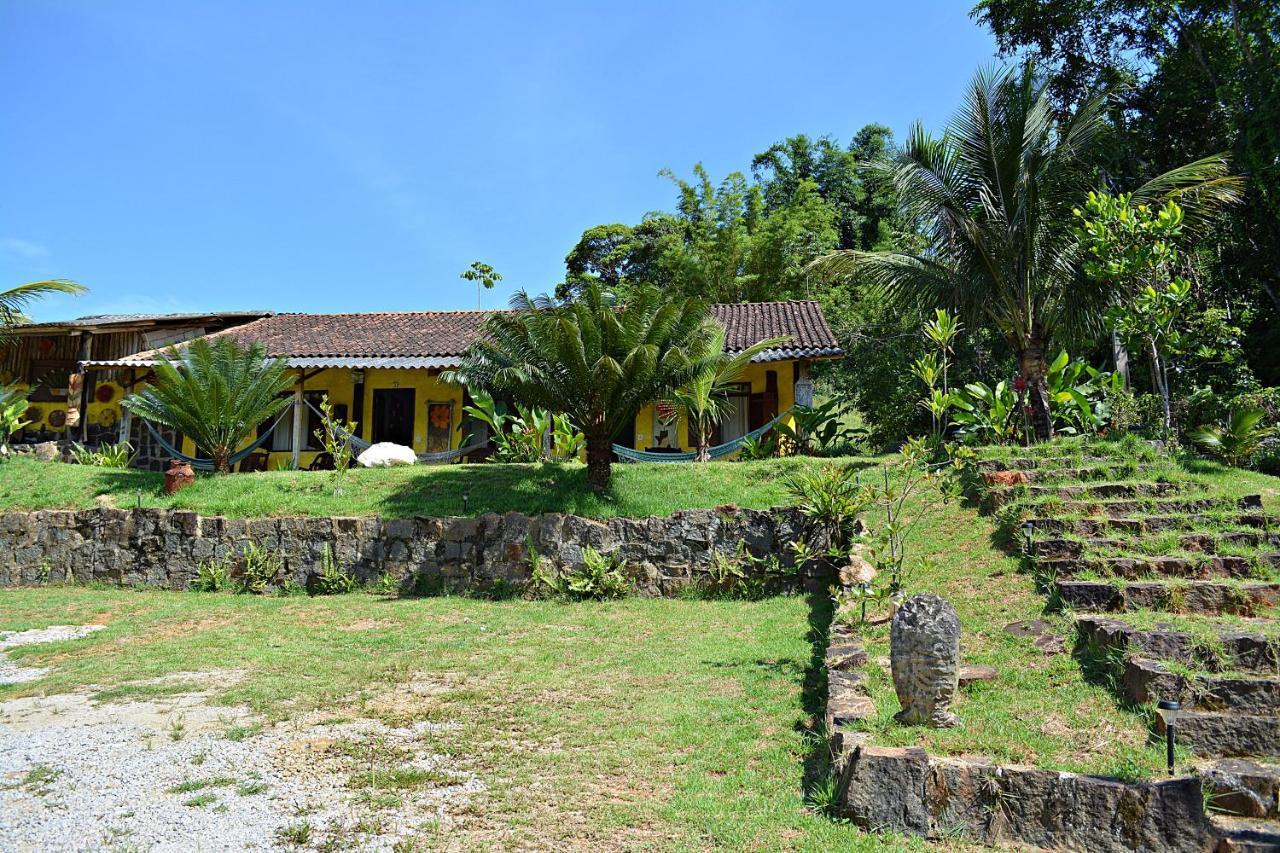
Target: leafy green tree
704 399
483 275
995 195
1133 248
15 299
216 393
592 358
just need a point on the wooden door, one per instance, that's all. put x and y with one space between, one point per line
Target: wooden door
393 410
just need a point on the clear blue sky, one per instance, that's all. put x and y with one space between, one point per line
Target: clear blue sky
340 156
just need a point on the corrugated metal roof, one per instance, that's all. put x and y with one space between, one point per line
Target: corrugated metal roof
92 320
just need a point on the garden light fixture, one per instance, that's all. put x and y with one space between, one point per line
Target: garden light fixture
466 503
1028 535
1168 711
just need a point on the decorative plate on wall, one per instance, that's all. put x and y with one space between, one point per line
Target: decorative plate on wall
104 394
33 414
108 417
57 418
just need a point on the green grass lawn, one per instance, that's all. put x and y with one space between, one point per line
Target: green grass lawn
633 724
638 490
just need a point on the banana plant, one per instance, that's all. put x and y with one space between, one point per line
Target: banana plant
13 405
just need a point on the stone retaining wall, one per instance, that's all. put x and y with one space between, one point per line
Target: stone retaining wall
164 548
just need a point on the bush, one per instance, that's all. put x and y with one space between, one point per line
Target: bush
213 576
332 580
259 569
600 576
107 456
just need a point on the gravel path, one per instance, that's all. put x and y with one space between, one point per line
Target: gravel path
163 775
11 673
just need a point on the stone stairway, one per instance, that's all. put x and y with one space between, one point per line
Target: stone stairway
1177 596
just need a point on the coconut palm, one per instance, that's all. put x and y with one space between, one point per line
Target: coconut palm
15 299
591 358
215 393
704 399
994 197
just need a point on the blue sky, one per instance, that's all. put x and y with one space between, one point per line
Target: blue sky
340 156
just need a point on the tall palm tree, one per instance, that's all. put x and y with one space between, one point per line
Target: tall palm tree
994 196
215 393
704 399
13 300
591 358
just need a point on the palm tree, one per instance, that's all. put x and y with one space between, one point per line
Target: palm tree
704 399
591 358
13 300
215 394
994 197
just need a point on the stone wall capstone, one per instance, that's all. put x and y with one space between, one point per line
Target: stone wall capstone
165 548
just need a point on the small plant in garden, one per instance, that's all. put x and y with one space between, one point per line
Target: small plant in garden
933 368
13 405
986 415
764 447
887 544
600 576
1080 395
259 568
831 498
334 436
119 455
213 576
818 430
1236 441
332 579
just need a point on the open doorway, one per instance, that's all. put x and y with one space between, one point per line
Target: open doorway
393 410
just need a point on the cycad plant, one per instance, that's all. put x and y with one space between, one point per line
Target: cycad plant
704 400
994 197
215 393
1236 441
593 359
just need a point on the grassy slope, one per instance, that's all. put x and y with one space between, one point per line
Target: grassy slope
638 490
640 723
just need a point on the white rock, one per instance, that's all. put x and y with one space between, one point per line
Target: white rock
384 454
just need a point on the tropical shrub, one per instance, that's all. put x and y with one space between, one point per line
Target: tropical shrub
120 455
332 579
986 415
818 430
531 435
13 405
215 393
259 568
1235 441
763 447
213 576
831 498
1080 395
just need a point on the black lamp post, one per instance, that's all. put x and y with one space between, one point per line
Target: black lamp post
1028 535
466 503
1168 711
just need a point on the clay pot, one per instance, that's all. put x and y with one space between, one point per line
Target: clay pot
178 477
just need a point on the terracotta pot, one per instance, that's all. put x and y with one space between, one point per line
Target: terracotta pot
178 477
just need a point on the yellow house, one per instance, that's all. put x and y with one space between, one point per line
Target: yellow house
382 371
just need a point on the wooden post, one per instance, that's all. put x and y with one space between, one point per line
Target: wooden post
126 416
297 421
804 385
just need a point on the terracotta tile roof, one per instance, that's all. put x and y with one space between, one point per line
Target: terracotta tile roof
438 338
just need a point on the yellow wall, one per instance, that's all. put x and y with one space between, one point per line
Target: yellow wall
95 412
338 383
755 374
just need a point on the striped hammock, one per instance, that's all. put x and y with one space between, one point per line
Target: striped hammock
425 458
626 454
207 464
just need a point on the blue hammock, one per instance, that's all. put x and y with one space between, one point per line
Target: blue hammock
425 458
207 464
626 454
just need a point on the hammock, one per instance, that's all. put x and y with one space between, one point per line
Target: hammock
207 464
626 454
425 458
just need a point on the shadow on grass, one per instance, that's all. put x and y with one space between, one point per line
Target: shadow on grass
813 694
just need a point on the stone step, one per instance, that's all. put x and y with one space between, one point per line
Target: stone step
1245 835
1245 651
1204 597
1149 524
1031 463
1001 495
1147 681
1119 509
1046 476
1205 543
1243 788
1219 733
1136 568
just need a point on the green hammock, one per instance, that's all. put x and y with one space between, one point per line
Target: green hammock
626 454
207 464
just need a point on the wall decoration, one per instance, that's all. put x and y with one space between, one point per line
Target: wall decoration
57 418
439 425
104 394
